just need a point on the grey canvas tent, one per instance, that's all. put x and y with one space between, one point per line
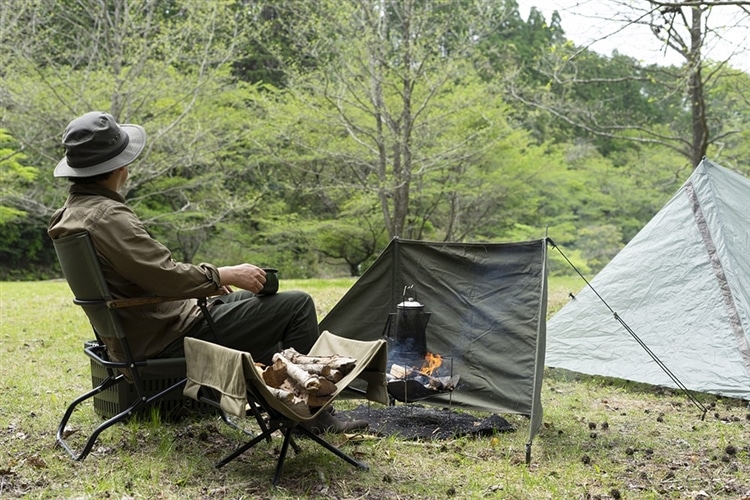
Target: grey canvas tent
682 285
488 307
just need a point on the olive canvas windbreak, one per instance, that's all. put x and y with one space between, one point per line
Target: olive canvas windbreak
487 304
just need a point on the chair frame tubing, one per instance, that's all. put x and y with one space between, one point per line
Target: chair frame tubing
287 427
113 379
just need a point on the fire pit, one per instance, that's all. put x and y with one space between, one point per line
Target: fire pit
408 383
414 373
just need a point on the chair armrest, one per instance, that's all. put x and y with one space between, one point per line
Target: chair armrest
98 353
144 301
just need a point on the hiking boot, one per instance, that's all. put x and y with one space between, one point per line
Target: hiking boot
326 422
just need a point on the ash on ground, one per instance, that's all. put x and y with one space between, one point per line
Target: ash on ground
421 422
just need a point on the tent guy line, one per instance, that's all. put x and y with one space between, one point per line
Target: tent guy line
635 336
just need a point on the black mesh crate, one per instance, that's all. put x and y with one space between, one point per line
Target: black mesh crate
113 400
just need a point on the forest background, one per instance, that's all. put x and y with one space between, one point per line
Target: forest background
305 135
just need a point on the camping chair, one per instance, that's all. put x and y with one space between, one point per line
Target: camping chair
233 376
81 269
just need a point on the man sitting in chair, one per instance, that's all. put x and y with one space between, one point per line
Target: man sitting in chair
98 152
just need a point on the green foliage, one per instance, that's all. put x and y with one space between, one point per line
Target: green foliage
285 242
568 262
14 177
730 118
356 237
599 244
346 241
486 184
561 260
24 246
303 135
26 250
510 42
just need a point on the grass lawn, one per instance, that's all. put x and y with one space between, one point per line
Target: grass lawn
601 438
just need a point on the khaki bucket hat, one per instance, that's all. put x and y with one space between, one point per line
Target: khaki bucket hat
95 144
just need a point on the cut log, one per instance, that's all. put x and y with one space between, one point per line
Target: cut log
334 361
326 388
400 371
309 382
285 396
289 386
406 373
275 374
326 371
315 368
300 380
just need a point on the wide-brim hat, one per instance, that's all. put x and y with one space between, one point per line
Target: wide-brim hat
96 144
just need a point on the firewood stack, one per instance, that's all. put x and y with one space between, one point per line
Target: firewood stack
303 381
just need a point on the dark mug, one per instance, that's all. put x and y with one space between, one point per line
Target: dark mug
272 282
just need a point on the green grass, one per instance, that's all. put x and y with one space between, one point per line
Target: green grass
602 438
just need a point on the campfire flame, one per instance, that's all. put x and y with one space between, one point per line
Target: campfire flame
431 363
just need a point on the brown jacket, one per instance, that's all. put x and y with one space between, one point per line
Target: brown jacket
135 265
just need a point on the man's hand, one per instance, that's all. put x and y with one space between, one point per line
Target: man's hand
245 276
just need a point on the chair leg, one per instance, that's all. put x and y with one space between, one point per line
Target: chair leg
288 429
123 415
242 449
259 418
282 455
108 382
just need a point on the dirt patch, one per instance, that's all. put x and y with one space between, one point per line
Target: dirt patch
421 422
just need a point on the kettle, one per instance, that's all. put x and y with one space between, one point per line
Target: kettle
410 326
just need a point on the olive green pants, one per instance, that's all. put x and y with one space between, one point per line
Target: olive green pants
260 325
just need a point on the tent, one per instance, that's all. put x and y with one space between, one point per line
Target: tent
488 305
682 285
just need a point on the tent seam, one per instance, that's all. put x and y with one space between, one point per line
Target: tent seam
719 274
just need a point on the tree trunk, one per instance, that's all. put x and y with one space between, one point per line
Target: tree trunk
698 112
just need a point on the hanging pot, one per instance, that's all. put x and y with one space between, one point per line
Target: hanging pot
407 328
